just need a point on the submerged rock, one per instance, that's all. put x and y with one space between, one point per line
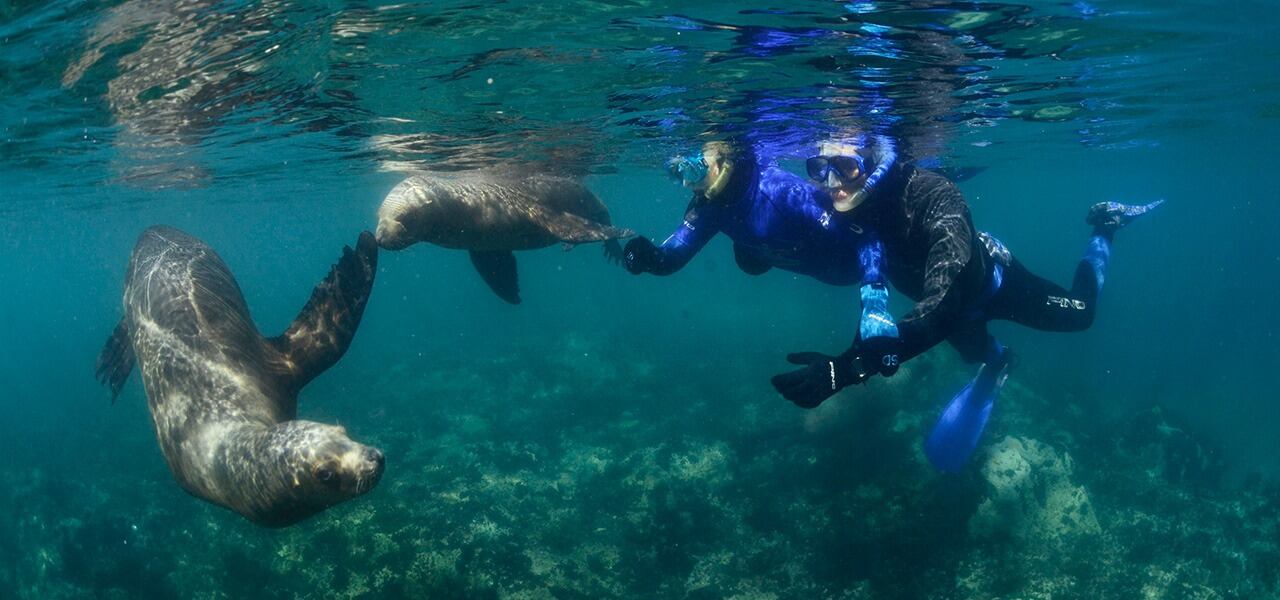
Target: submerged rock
1032 496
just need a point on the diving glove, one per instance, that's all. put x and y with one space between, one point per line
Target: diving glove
640 255
879 355
824 375
820 379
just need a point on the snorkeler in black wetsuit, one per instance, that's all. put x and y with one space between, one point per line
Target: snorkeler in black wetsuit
960 280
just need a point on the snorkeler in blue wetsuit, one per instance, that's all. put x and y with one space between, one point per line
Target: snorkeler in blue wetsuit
775 219
960 280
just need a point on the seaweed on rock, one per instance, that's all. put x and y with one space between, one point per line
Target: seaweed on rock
542 483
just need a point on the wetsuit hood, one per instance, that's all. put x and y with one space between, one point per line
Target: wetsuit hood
890 185
735 177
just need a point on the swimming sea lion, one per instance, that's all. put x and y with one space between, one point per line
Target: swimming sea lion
491 214
223 398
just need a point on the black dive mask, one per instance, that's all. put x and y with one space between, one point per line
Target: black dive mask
845 168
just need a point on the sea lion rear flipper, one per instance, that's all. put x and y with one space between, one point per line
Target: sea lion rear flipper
498 269
321 333
116 360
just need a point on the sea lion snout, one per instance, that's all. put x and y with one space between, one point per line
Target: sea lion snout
370 471
374 456
391 235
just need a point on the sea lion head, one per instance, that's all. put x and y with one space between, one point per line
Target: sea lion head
315 466
418 209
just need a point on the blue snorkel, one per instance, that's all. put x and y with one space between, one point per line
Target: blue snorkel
887 157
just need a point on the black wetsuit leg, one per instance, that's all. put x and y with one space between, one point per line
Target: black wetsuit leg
972 341
1033 301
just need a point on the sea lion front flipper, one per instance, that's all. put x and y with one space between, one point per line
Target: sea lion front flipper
613 252
321 333
116 360
498 269
568 227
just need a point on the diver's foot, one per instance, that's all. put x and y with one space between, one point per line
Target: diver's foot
1107 217
995 369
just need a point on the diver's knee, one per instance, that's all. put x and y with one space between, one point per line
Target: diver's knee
1083 320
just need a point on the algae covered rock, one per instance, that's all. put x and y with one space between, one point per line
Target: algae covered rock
1032 496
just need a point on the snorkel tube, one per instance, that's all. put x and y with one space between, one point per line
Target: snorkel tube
885 157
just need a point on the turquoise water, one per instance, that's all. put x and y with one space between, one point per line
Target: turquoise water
617 436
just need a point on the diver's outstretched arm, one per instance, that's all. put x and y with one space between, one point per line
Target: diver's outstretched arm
642 256
875 350
951 235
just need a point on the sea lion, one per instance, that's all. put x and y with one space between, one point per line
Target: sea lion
491 214
223 398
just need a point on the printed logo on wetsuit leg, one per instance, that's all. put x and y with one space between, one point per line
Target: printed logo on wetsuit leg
1065 302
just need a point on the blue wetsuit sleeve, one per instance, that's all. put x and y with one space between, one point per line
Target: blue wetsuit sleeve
875 322
871 259
699 226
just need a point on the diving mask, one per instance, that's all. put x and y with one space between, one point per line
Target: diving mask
689 170
835 171
843 176
708 171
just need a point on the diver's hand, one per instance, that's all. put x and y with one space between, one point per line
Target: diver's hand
640 255
820 379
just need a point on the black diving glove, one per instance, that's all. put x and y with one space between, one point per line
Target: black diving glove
640 255
821 378
879 355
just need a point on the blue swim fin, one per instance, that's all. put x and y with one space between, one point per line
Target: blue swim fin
956 434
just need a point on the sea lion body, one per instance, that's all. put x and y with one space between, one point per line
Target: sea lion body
492 214
223 398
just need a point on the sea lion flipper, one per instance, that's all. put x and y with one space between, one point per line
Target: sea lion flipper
571 228
321 333
498 269
613 252
116 360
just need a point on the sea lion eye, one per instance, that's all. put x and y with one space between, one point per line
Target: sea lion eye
326 475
